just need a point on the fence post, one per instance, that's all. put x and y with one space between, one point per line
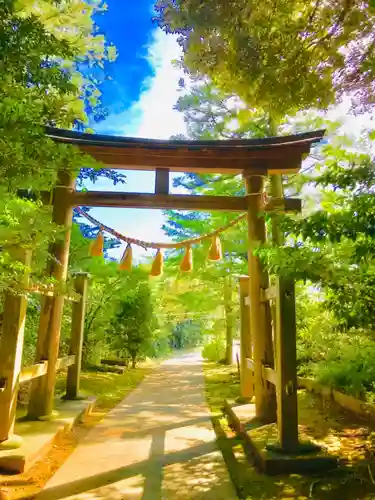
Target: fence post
43 388
76 339
11 347
228 311
246 348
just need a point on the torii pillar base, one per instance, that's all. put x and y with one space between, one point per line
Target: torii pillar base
261 442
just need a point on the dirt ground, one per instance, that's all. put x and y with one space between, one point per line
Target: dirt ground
25 486
344 435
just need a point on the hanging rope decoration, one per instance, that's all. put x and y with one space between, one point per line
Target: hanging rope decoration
96 249
215 253
187 261
127 259
157 265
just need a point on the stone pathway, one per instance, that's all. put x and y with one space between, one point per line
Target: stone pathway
158 444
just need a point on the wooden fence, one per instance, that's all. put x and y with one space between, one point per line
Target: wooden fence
350 403
11 348
282 377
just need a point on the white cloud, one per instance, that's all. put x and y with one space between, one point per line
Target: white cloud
151 116
157 118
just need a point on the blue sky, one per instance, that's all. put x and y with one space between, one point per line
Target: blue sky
139 97
130 30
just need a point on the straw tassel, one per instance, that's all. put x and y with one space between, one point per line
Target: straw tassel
96 248
157 265
215 252
127 259
187 261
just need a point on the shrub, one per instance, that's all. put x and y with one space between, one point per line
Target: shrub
335 358
349 364
214 350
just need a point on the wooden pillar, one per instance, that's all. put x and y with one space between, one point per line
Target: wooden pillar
228 309
285 343
260 315
162 181
246 348
76 339
286 365
11 347
43 388
277 238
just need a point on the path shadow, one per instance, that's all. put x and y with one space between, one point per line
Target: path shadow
152 485
118 429
166 431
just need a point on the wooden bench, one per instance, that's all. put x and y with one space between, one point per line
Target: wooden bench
114 365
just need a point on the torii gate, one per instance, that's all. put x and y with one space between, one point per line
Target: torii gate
254 160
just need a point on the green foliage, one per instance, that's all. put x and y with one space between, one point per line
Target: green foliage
329 248
118 320
186 334
278 57
211 114
131 328
349 366
333 244
108 288
35 89
41 46
214 350
343 360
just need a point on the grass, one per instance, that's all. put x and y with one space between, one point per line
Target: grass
108 388
343 434
222 382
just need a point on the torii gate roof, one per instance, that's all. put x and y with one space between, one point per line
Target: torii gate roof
272 155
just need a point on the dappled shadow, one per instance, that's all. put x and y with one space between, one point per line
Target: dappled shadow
156 406
342 433
349 437
197 478
249 483
158 443
130 432
152 483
